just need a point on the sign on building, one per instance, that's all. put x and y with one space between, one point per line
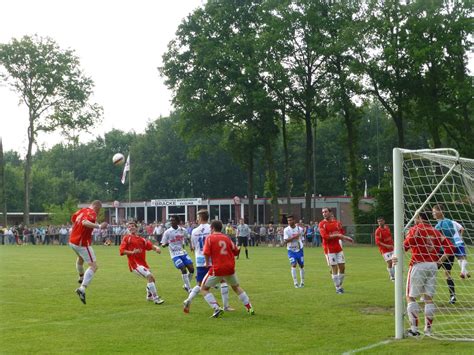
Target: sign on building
177 202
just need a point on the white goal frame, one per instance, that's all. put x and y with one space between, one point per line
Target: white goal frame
400 227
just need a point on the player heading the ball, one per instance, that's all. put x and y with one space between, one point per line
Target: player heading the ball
80 240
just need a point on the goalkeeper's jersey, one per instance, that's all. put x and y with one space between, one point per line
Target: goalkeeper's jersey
451 230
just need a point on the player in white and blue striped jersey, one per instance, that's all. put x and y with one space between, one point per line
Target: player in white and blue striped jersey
293 237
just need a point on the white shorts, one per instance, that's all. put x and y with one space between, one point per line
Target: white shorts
421 279
86 253
387 256
211 281
335 258
141 270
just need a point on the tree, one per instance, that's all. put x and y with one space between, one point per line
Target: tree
51 84
439 41
293 65
386 61
215 79
342 28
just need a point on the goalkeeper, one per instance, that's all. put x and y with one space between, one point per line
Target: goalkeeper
453 231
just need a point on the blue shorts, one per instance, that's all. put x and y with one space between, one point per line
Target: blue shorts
182 260
296 257
201 273
460 251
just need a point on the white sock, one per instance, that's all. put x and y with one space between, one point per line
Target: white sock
186 280
464 264
335 280
80 268
152 288
341 279
245 299
293 275
194 292
225 295
302 276
389 269
429 314
211 301
392 272
413 309
89 274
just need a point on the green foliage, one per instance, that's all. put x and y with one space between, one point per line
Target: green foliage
61 214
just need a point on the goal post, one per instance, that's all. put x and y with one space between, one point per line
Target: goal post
423 179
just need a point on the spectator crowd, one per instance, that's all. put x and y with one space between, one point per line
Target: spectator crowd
260 234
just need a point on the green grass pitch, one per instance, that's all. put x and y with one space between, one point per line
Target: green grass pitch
40 313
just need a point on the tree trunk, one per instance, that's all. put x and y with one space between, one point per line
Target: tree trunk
353 163
250 191
271 181
398 119
308 167
287 162
27 175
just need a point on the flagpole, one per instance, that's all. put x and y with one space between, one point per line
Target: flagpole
129 183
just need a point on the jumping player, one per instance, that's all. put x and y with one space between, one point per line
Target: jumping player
80 240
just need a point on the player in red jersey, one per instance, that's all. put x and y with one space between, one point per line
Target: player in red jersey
383 239
220 249
332 234
135 247
80 240
426 245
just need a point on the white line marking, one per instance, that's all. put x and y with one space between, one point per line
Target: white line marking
367 347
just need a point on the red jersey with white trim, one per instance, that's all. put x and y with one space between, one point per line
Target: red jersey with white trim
383 235
82 235
425 243
131 242
222 251
327 228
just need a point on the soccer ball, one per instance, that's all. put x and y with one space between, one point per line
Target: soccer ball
118 159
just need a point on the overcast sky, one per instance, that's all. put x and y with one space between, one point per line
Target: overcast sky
119 43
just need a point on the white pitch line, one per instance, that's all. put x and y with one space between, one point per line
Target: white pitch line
367 347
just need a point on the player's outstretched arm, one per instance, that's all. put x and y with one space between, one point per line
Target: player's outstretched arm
347 238
157 249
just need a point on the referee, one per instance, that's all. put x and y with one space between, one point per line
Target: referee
243 234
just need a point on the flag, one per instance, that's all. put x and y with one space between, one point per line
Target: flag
125 169
365 190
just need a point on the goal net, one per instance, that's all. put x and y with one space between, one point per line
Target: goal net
423 180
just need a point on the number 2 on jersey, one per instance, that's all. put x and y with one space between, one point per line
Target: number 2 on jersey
223 247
